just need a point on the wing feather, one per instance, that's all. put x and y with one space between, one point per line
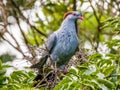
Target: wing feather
50 43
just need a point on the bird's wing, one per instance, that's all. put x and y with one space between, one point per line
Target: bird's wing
51 42
49 45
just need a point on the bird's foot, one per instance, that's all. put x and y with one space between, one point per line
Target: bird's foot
65 70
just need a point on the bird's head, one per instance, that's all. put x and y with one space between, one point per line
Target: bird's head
73 15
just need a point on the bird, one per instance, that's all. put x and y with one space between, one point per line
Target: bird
62 44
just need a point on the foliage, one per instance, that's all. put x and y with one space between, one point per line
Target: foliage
20 79
7 57
99 72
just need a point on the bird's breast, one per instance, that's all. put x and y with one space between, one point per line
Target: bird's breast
69 42
66 45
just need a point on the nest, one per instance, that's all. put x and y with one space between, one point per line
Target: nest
48 77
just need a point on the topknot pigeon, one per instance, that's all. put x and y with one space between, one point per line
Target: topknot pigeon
62 44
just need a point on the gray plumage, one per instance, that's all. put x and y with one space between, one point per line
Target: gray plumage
62 44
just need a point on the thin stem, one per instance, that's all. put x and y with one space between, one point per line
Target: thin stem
26 19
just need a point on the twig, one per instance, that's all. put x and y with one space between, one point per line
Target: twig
25 39
55 74
94 12
53 63
42 80
4 18
18 46
74 8
12 45
41 85
26 19
98 27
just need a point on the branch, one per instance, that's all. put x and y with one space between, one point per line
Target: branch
14 39
4 19
98 27
95 13
27 19
43 79
12 45
74 8
25 39
4 16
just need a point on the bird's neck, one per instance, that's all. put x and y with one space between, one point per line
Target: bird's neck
68 25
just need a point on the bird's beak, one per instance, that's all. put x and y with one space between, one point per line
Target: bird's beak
81 18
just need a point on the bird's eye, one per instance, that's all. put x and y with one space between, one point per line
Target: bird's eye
73 14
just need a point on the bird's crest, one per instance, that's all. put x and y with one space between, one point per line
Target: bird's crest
66 14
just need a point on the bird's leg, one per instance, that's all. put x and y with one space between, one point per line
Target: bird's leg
65 70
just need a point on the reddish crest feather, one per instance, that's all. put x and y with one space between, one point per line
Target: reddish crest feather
66 14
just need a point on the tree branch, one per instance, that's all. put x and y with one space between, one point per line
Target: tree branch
26 19
98 27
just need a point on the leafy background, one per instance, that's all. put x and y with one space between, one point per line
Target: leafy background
97 66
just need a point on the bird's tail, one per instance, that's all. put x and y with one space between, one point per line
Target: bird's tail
40 64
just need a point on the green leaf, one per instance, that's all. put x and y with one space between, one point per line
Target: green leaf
107 83
7 57
2 72
98 85
64 83
115 42
88 83
91 70
95 56
73 71
109 70
101 75
82 67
